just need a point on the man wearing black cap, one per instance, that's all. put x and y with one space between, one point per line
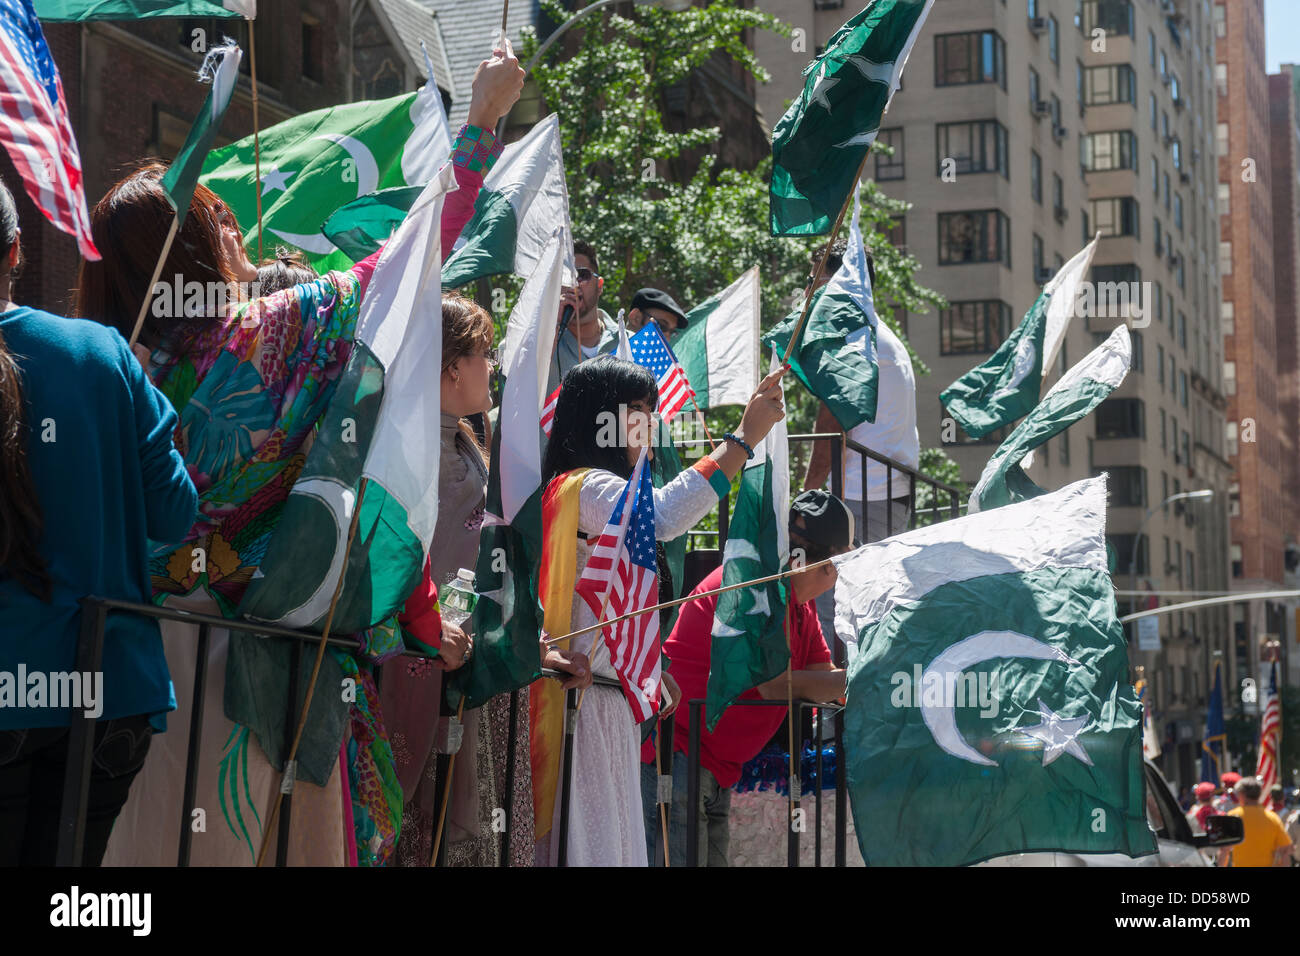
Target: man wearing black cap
820 527
652 305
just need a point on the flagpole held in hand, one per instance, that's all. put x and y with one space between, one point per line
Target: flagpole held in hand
793 789
315 673
821 263
446 793
257 145
157 271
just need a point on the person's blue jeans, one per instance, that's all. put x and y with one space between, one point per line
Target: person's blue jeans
714 811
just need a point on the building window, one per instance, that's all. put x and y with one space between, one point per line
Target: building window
1182 330
1104 85
1160 370
1054 42
313 49
1221 138
977 57
1063 447
1221 78
1230 381
973 328
979 147
1223 198
1187 448
1034 90
1122 545
1036 176
1120 418
1151 46
1054 103
1127 273
897 233
1154 110
1178 211
1039 259
1234 500
1138 363
977 236
1113 16
1182 390
1058 195
1230 437
1127 485
1117 216
890 166
1220 24
1237 570
1225 258
1227 325
1115 149
1164 436
1159 237
1165 177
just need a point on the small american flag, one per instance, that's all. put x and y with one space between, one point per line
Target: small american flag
1270 728
622 576
650 351
34 124
548 412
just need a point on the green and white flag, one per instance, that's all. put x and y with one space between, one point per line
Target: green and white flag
989 705
317 162
835 356
719 350
381 426
75 11
508 615
221 67
748 645
1005 387
1079 391
819 144
523 199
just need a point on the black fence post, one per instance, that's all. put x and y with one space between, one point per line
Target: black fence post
192 754
81 740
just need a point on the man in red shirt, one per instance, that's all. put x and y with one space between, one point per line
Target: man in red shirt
1204 804
822 526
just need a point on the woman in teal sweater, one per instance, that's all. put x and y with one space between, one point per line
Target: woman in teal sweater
88 476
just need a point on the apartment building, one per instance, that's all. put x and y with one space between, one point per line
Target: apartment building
1259 334
1066 118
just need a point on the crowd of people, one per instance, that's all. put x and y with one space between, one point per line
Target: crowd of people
157 473
1271 822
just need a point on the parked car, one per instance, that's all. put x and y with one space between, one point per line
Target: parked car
1177 846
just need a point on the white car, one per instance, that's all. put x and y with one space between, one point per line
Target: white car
1177 846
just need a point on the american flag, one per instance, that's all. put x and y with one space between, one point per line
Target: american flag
34 124
650 351
622 576
1270 728
548 412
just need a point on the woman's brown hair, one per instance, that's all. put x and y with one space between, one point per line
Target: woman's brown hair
129 226
466 328
20 508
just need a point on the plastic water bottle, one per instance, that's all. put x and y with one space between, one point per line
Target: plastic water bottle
457 598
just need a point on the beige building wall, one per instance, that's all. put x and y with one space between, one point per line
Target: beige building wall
1178 370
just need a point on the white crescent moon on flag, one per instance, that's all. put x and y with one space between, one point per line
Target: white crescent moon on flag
984 646
367 182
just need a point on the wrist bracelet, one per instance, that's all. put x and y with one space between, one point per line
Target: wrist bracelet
741 442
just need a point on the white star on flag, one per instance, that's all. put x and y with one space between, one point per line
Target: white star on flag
824 84
1058 734
274 179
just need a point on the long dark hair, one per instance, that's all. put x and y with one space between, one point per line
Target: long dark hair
20 508
593 390
129 226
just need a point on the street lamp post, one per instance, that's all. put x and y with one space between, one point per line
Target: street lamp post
673 6
1204 493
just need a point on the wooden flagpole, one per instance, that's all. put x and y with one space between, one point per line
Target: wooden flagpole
446 793
663 807
789 707
315 673
821 262
690 597
157 271
257 143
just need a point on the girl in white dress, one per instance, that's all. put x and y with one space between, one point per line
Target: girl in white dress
605 817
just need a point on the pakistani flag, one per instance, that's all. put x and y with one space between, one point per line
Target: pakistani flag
319 161
508 616
72 11
1005 387
819 145
523 199
381 428
748 645
719 350
836 353
1079 391
989 706
221 66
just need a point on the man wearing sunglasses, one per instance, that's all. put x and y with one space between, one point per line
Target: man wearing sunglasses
652 305
590 330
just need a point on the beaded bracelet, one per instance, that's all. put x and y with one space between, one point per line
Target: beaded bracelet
741 442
